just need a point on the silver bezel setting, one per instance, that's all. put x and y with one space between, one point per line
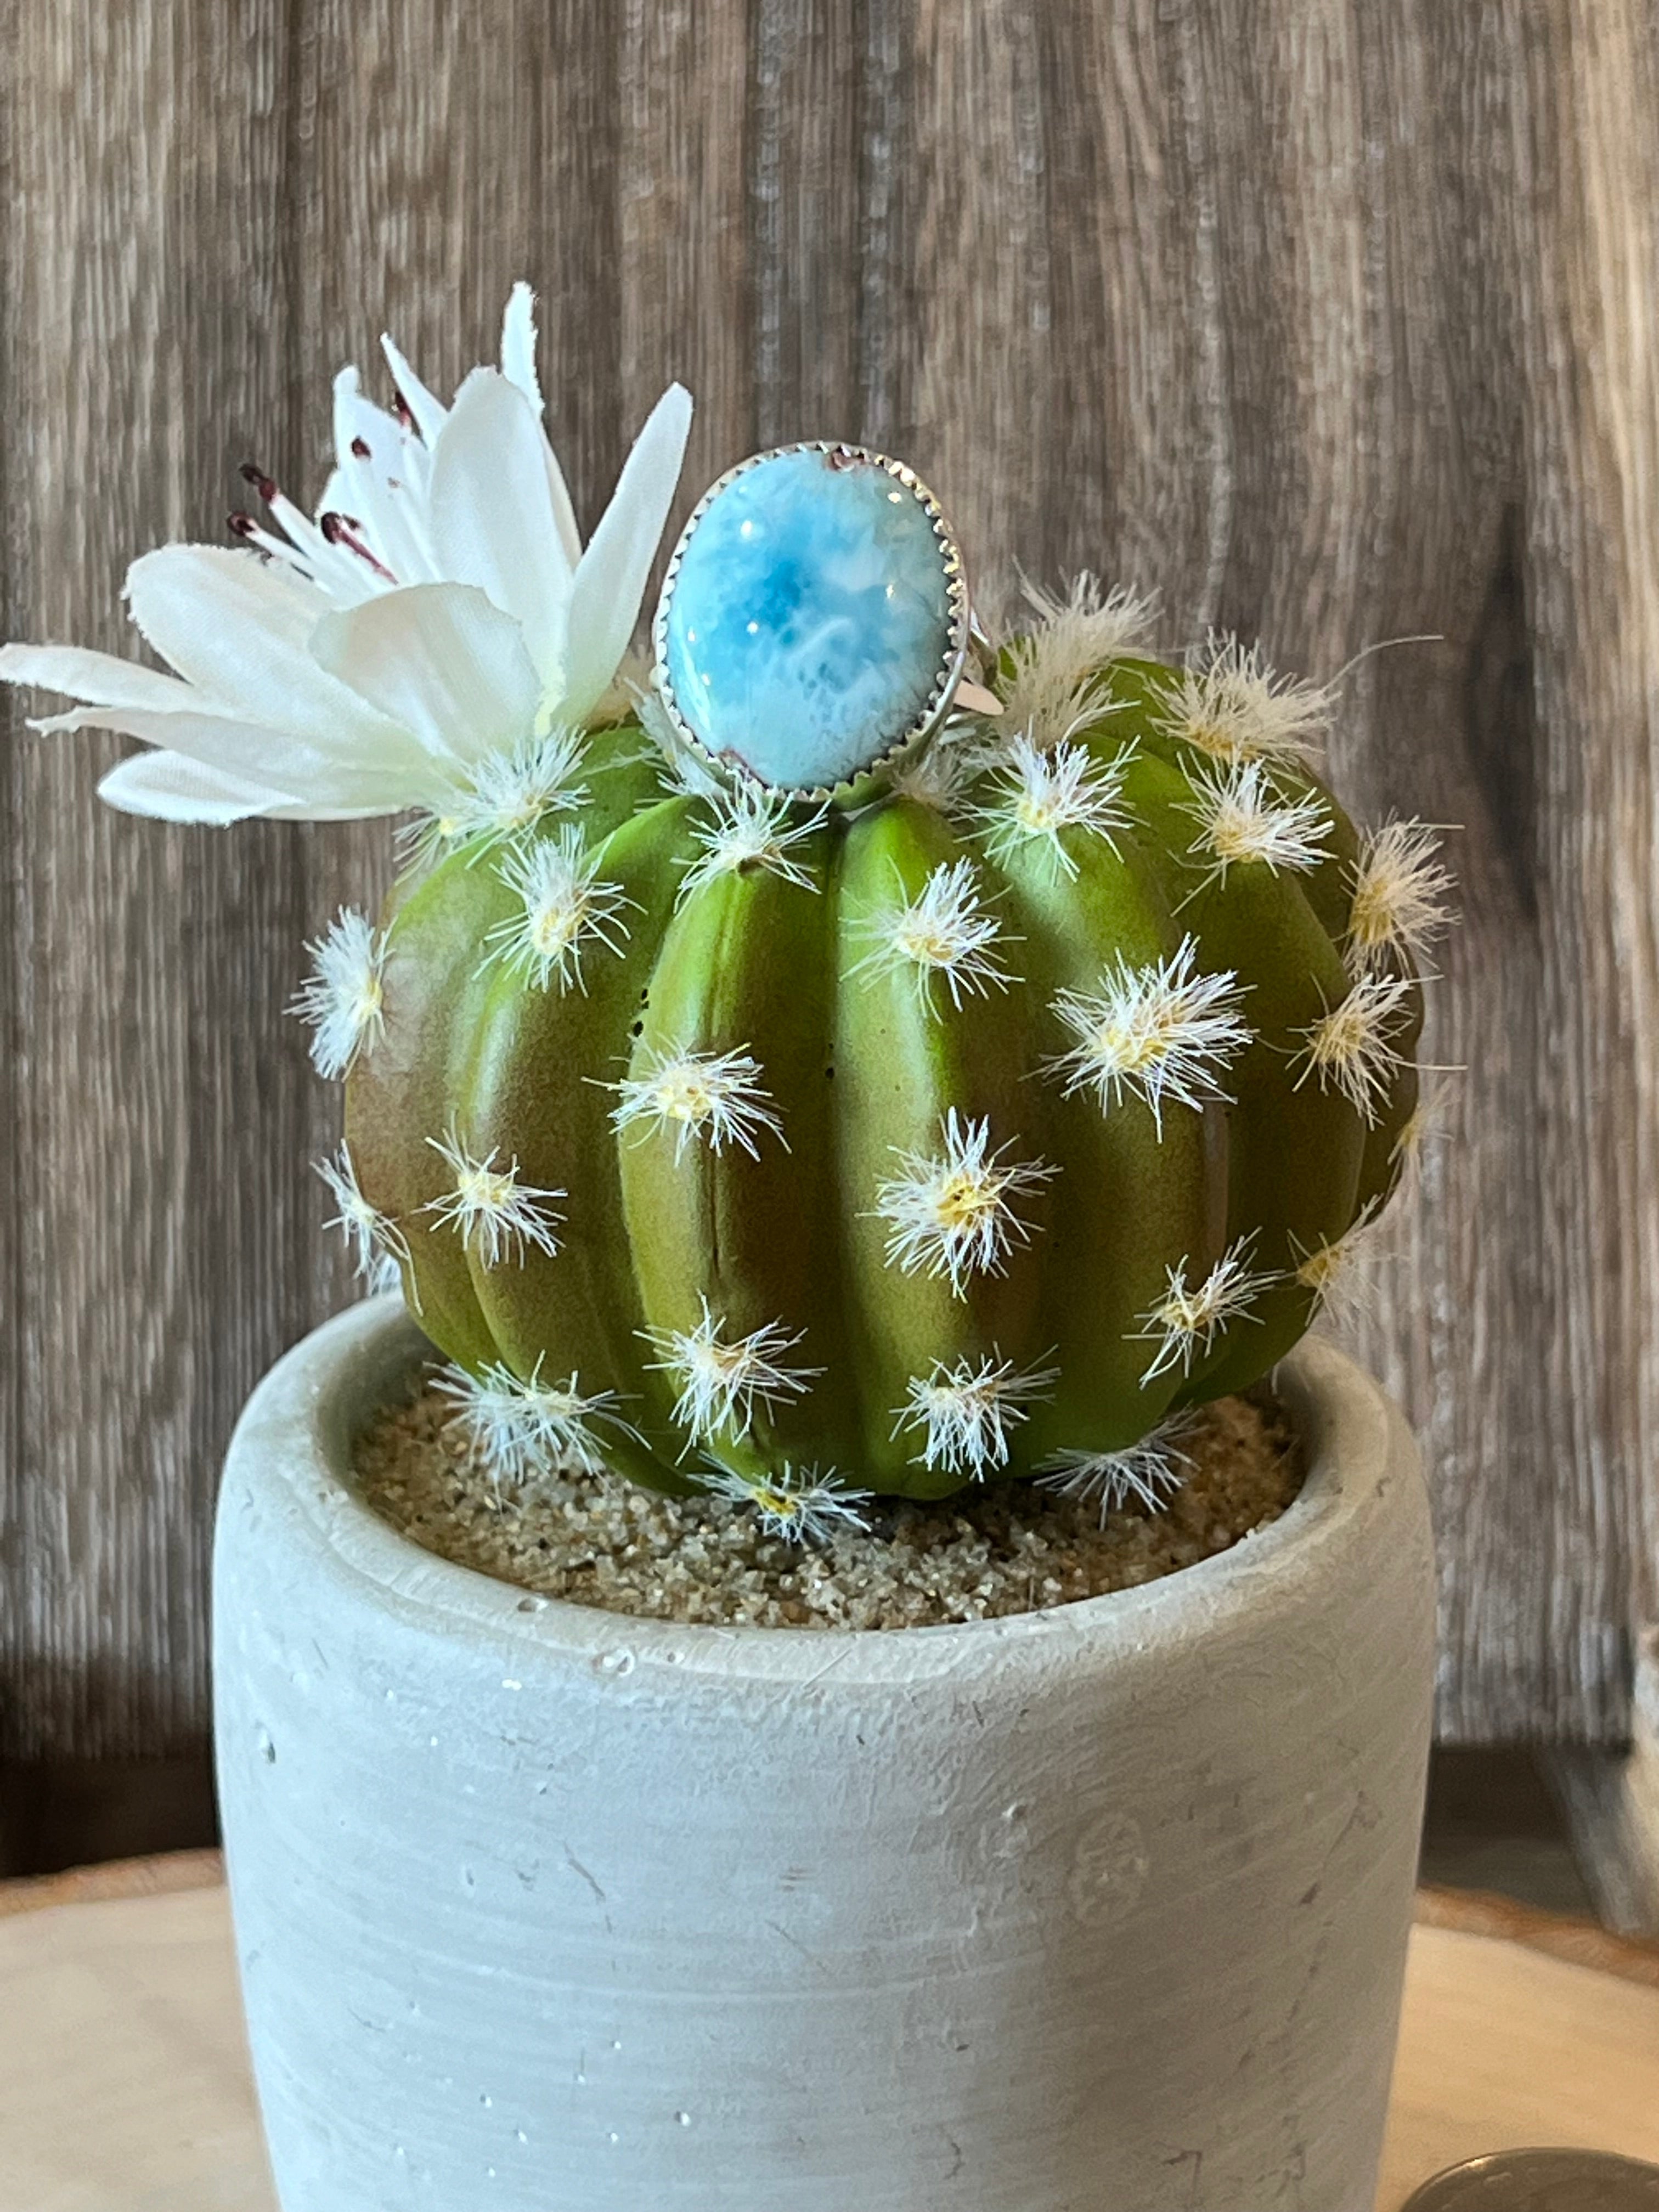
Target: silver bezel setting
877 772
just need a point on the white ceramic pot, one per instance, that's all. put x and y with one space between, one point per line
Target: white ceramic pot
542 1909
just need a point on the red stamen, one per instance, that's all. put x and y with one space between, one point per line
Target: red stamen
241 525
400 408
342 529
265 485
360 447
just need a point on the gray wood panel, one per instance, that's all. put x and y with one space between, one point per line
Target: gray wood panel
1330 322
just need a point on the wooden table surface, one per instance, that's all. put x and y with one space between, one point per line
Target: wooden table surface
124 2084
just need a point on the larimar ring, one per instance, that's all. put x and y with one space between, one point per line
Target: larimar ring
814 626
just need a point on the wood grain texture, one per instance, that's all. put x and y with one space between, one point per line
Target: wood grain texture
1328 322
123 2072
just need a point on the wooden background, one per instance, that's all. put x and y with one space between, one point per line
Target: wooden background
1332 321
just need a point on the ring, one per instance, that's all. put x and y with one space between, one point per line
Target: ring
814 625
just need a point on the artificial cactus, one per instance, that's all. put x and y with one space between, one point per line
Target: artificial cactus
968 1117
971 1131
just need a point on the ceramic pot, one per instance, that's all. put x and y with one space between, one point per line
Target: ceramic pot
1097 1910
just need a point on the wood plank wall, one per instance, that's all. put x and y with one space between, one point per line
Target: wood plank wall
1331 321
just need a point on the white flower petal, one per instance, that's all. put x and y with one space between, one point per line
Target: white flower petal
371 483
375 425
441 661
610 577
240 627
100 678
518 367
170 788
428 411
331 788
518 344
492 512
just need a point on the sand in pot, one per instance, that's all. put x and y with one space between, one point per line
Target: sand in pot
1010 1548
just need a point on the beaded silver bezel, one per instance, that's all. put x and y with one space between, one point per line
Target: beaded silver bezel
878 773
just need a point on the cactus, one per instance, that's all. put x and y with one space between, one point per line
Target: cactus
974 1117
968 1134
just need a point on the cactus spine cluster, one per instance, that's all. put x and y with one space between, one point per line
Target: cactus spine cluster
969 1134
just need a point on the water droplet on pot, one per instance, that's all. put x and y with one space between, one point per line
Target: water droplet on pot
684 2118
267 1748
615 1663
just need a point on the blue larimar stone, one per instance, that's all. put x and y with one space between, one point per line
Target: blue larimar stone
809 618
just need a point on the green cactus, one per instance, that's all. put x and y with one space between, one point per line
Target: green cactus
966 1135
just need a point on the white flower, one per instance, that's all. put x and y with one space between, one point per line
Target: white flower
344 999
717 1096
750 830
1150 1472
1157 1032
439 609
520 1428
954 1215
1184 1322
967 1411
563 907
797 1504
722 1379
492 1209
943 931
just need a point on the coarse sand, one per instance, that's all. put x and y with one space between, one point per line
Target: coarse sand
1004 1548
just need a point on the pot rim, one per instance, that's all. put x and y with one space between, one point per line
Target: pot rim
290 1454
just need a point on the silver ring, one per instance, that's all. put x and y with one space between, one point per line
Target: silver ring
875 774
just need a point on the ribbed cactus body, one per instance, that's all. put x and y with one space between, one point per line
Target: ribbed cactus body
866 1061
